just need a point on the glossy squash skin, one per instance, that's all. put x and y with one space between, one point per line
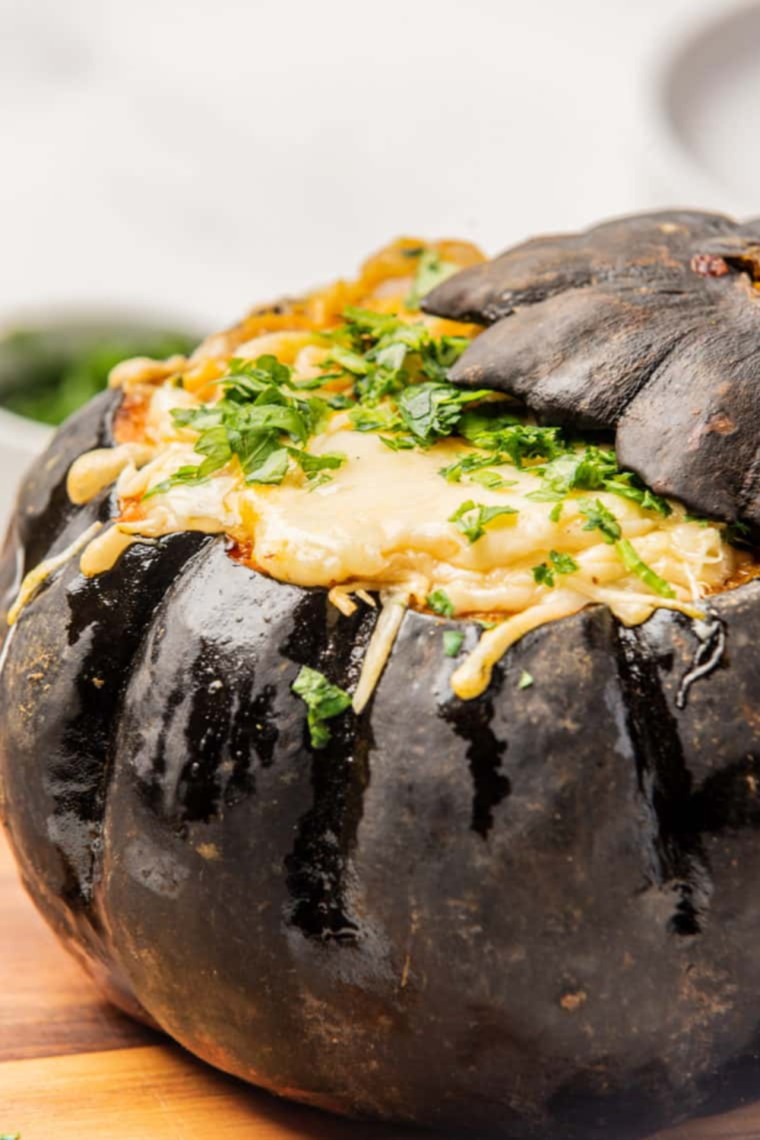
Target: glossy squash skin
535 914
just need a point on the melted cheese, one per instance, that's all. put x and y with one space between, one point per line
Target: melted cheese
104 551
45 569
382 522
92 472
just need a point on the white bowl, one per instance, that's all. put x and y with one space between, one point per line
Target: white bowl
21 440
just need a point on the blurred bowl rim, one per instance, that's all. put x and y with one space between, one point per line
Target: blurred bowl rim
684 171
24 434
30 435
55 316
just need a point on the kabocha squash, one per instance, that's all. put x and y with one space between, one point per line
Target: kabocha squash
392 750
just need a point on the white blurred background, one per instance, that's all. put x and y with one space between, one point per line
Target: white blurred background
170 163
194 157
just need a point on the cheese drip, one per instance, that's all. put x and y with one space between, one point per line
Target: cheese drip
382 523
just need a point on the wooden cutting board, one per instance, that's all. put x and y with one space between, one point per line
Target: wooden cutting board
72 1068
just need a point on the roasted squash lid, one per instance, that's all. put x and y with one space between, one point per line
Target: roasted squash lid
648 326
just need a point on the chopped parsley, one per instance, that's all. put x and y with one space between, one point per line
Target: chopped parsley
599 518
594 469
432 269
383 418
563 563
543 575
323 701
383 355
431 409
258 423
560 563
629 486
474 466
350 361
440 603
339 401
526 680
312 465
465 464
397 372
398 442
492 480
452 642
486 420
636 565
515 441
473 518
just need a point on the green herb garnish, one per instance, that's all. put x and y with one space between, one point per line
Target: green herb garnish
260 420
431 271
472 518
543 575
384 355
467 462
526 680
431 410
636 565
382 418
594 469
398 442
452 642
562 563
323 701
312 465
492 480
350 361
599 518
517 441
440 603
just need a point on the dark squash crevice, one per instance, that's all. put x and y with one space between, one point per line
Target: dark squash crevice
318 867
677 859
472 721
134 589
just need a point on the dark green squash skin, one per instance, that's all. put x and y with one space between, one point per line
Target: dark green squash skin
535 914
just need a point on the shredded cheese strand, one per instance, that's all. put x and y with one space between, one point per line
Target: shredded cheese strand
395 604
474 674
36 578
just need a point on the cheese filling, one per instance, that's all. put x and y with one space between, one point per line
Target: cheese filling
437 522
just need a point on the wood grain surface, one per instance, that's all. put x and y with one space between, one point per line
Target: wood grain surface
72 1068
